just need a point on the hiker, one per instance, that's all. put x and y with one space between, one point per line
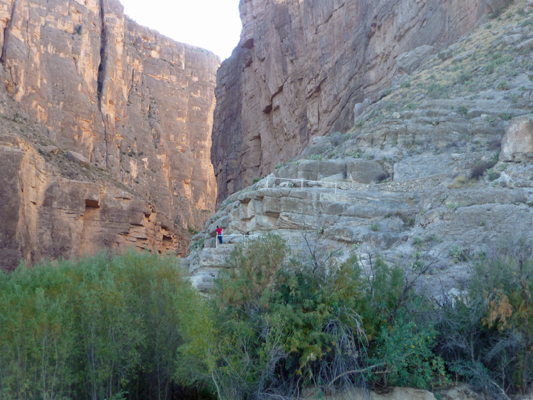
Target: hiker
219 235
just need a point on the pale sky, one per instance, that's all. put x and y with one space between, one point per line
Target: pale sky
211 24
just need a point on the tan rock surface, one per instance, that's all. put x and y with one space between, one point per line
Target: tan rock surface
121 96
301 66
517 143
396 393
47 215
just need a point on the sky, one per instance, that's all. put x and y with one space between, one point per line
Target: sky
211 24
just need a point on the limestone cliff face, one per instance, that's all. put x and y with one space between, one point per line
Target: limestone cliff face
433 175
133 102
301 66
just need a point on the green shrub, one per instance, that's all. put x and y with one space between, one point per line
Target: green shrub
406 349
493 175
506 116
485 336
417 242
387 92
281 323
458 254
463 77
197 244
445 55
463 110
489 69
98 328
504 85
480 167
436 91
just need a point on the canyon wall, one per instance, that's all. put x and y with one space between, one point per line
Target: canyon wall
301 66
131 104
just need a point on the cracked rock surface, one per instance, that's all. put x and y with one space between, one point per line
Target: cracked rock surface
81 77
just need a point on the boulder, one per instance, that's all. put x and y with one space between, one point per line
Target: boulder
394 394
77 158
459 392
360 108
313 170
49 149
365 171
410 61
517 143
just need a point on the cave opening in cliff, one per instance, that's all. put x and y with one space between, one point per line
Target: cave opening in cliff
92 203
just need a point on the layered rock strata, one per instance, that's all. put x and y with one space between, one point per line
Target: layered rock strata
123 97
301 67
433 176
53 207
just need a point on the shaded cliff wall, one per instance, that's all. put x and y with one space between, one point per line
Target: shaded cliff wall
301 66
133 102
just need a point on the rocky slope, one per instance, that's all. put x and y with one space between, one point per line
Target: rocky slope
436 173
132 105
301 66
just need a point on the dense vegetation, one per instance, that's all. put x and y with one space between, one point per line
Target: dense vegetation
131 327
97 329
278 324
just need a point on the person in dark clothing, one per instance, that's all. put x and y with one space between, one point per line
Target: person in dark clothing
219 235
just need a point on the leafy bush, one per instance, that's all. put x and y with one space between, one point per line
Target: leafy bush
444 55
479 168
406 351
280 324
504 85
506 116
436 91
99 328
463 110
463 77
316 157
493 175
458 254
485 335
489 69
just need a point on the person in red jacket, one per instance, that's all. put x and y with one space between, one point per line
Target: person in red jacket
219 235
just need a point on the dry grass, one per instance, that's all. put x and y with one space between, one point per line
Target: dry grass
461 182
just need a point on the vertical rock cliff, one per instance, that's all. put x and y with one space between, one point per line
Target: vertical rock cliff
301 66
131 104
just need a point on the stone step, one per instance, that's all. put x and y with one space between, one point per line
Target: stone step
203 279
211 258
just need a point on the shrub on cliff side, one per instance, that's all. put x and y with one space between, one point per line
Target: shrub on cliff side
280 324
486 337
